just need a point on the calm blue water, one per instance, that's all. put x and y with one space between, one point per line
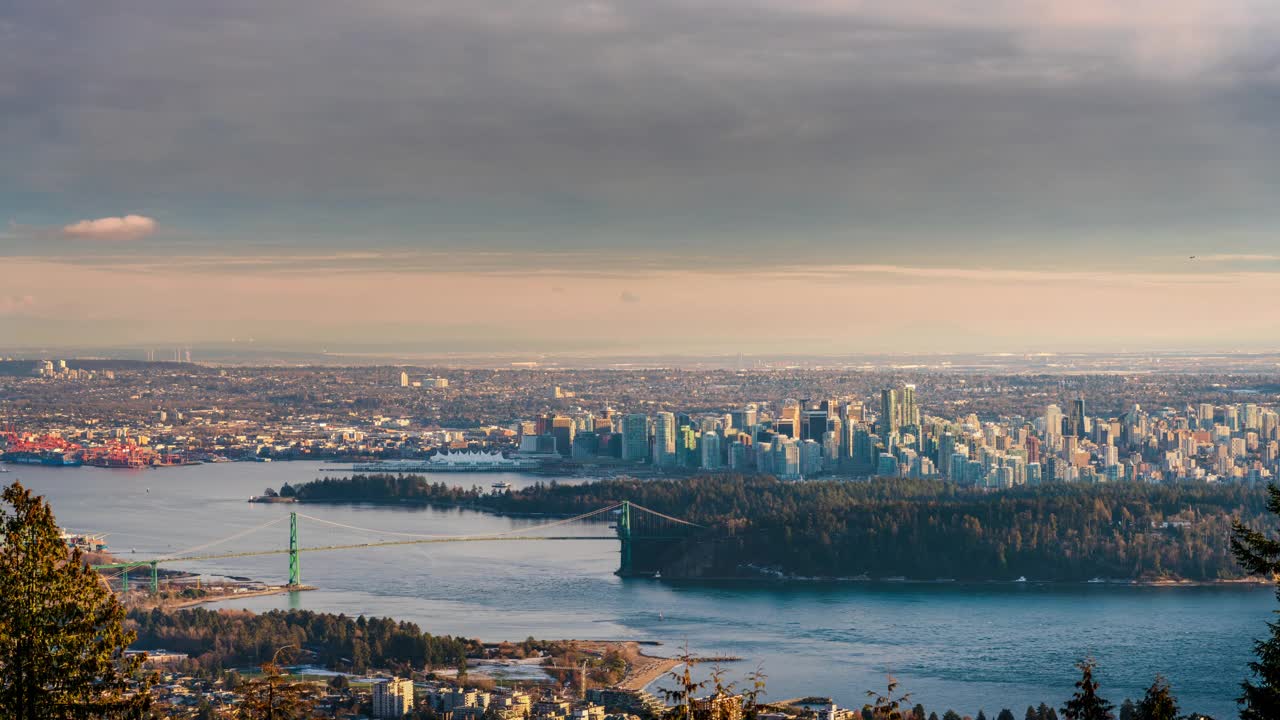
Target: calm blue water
965 647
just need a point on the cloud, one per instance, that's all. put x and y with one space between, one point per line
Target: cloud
129 227
1239 257
16 304
875 130
1163 37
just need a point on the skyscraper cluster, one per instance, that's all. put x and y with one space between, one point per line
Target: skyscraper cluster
790 439
795 439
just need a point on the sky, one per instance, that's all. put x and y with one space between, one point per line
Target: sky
647 176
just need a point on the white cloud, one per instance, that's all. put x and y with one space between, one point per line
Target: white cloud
129 227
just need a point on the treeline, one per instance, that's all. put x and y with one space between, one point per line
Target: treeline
379 488
217 640
919 529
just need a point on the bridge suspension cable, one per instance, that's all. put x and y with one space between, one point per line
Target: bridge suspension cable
229 538
664 516
410 538
517 531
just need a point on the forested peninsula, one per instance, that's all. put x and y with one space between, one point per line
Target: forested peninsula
757 526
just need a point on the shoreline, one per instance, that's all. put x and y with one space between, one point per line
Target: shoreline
1245 582
417 503
642 669
187 603
194 602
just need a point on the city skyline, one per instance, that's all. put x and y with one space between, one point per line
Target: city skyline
640 178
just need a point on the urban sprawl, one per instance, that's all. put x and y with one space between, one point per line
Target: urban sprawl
995 431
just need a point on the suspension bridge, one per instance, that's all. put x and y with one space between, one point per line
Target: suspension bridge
645 537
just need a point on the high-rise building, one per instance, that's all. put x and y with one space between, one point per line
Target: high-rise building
887 465
711 451
890 415
635 437
910 413
1204 415
563 430
813 424
746 418
810 458
831 450
1076 420
664 439
786 458
1052 425
404 379
687 452
946 447
392 698
788 422
852 412
864 457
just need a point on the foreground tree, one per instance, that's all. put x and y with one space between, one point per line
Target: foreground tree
1158 703
274 697
1086 704
681 697
889 705
1260 555
758 681
62 636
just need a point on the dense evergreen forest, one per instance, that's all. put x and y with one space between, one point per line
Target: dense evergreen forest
225 639
919 529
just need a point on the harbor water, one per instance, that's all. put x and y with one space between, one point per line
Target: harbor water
961 646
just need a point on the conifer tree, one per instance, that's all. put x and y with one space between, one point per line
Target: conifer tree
1258 554
1127 709
1005 714
62 635
1158 703
1086 704
1032 714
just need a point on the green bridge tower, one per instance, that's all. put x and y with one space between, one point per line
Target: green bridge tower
295 572
624 534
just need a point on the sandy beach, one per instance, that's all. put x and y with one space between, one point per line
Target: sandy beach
642 669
